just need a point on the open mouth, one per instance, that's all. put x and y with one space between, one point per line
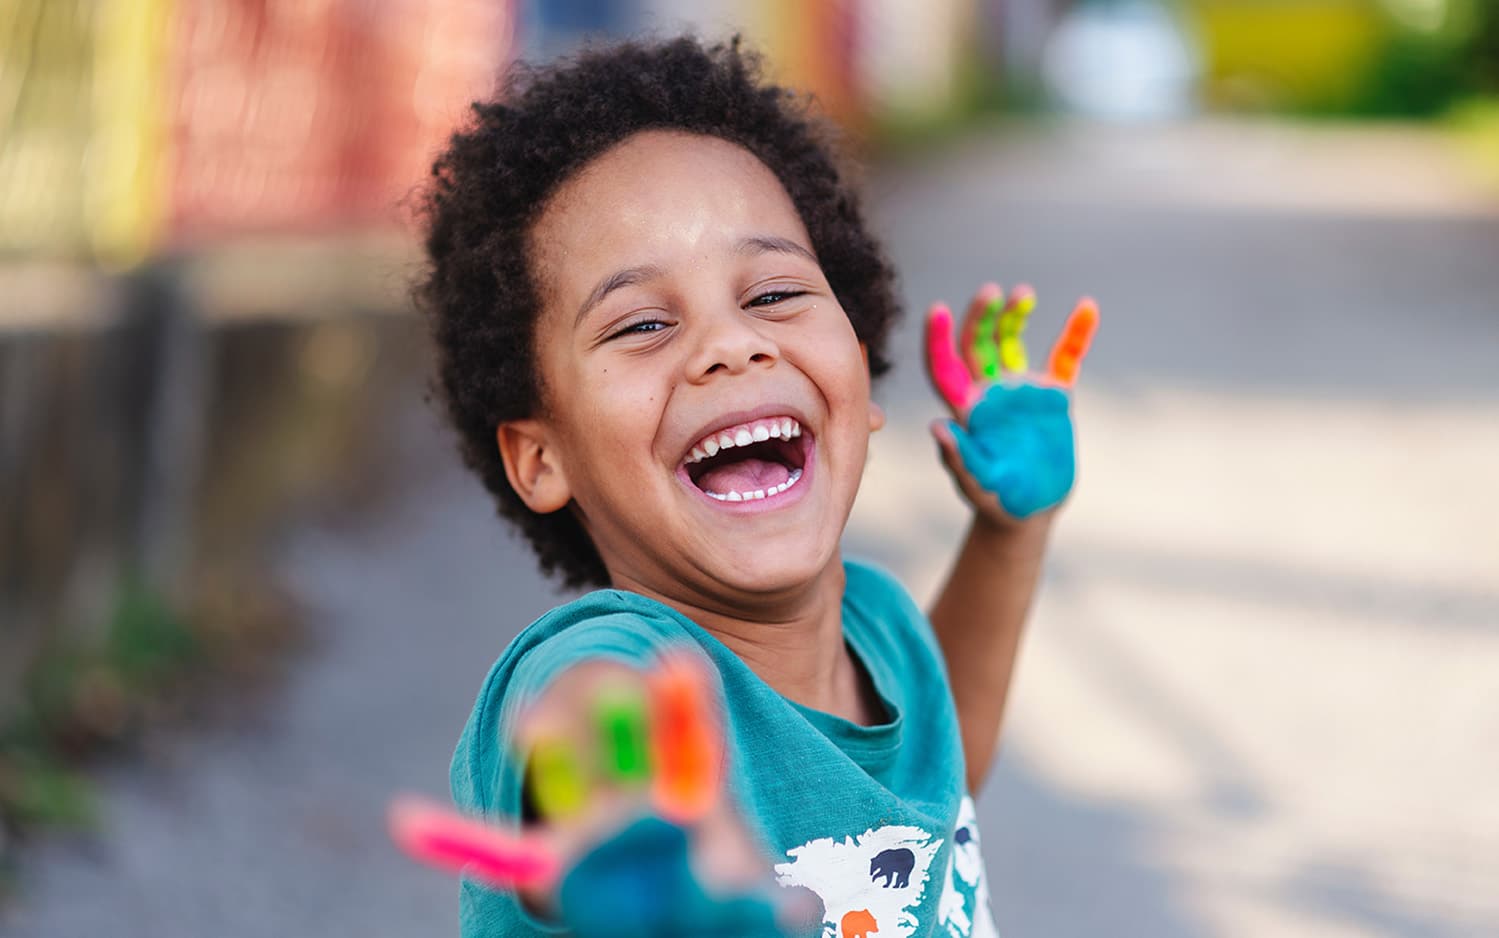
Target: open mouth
749 461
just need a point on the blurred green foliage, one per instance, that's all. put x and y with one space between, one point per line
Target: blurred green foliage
81 697
1423 69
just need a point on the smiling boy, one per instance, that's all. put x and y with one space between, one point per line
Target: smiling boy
685 312
659 313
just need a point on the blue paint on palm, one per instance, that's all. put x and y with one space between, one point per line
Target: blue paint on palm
639 883
1019 445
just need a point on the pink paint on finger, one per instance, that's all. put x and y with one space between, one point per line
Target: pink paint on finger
947 370
438 837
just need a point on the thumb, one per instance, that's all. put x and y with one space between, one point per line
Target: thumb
945 433
956 448
962 453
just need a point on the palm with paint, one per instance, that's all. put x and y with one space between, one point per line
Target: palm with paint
628 831
1010 446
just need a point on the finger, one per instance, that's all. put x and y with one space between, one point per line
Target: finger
1017 312
945 433
558 783
620 715
561 741
441 838
686 743
1068 354
977 344
947 371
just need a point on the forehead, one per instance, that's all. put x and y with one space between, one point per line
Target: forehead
654 196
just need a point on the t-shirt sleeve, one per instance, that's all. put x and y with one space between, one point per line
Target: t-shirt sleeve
485 774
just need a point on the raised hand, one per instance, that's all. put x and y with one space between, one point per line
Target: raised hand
1010 445
625 770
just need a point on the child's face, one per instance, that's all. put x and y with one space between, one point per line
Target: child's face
680 301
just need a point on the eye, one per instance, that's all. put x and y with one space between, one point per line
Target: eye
639 327
772 297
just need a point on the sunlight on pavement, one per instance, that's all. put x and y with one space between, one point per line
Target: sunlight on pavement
1267 632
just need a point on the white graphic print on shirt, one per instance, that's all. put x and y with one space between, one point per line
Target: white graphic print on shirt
874 883
867 883
964 907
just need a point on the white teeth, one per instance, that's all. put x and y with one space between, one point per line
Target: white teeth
757 494
782 428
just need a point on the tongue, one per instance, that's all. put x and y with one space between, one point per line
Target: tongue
745 475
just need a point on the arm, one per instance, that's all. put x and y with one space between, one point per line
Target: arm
1010 452
978 618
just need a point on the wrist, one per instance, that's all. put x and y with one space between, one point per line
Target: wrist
1007 538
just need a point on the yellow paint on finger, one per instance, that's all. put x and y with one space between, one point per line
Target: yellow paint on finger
557 784
1011 331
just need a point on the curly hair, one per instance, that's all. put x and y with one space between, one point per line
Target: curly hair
491 184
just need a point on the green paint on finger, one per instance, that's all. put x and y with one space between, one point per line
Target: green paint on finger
985 350
624 737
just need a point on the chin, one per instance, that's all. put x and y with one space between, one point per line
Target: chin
777 570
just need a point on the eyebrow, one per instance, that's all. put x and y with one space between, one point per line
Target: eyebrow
770 243
615 281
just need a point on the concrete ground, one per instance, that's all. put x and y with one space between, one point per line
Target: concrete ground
1260 692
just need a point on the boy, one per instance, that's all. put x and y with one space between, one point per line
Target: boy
658 315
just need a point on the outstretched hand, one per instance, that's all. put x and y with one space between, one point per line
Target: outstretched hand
1009 445
625 770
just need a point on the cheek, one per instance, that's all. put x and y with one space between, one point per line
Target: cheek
838 358
854 390
616 422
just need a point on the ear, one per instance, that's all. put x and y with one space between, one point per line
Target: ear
876 412
532 466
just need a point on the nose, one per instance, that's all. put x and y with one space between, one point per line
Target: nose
730 342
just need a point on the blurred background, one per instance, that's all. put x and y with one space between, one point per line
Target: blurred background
247 593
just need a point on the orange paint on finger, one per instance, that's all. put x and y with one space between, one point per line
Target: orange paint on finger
1068 354
686 743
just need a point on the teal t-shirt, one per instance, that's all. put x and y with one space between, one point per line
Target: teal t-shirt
872 819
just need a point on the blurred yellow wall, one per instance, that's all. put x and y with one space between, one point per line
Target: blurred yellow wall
1296 53
80 129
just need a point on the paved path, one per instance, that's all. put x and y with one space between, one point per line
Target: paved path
1258 694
